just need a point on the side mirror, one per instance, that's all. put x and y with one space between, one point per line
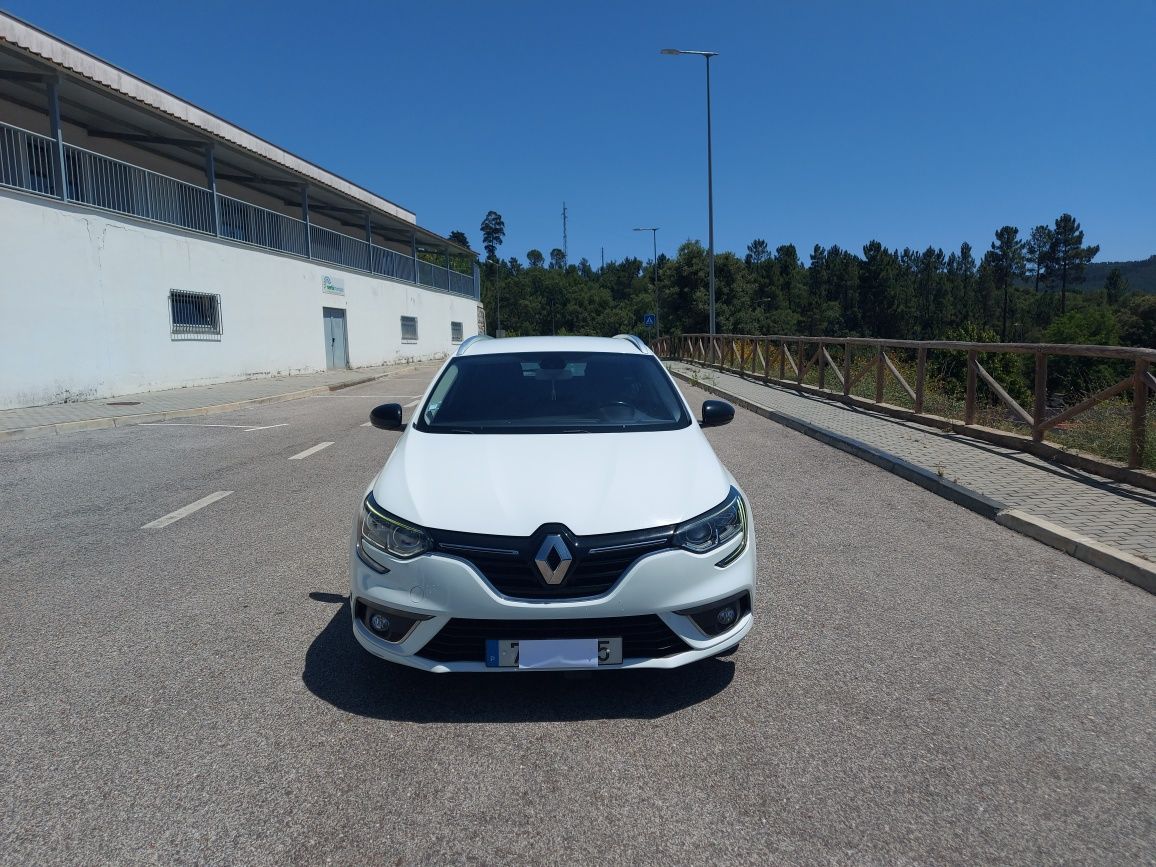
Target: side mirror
387 416
716 412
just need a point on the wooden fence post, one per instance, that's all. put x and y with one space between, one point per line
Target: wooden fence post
801 363
1040 410
782 359
846 369
822 368
1139 414
766 360
969 407
920 376
879 369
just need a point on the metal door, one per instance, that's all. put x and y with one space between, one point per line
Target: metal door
336 347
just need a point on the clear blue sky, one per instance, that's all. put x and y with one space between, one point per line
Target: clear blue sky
915 123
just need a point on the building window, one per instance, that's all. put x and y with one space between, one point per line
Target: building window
409 329
456 332
195 313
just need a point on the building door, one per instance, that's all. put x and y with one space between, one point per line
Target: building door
336 346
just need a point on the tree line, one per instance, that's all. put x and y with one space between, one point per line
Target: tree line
1023 288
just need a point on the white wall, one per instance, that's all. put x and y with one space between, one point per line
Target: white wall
84 310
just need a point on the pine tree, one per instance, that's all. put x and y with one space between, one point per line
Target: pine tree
1067 256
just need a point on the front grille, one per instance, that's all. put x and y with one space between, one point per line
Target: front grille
645 637
508 562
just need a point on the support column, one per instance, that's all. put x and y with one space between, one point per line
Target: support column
59 175
413 249
211 183
305 218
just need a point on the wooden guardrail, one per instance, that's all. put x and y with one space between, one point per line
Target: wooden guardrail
771 359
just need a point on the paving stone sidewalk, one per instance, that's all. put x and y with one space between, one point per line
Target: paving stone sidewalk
1110 512
190 399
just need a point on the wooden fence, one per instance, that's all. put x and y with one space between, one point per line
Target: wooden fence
787 361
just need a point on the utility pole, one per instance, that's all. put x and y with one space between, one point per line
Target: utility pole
565 249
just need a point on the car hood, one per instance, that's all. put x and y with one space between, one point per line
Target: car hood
511 484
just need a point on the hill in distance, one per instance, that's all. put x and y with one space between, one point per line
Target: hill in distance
1141 275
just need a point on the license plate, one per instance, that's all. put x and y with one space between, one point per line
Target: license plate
553 653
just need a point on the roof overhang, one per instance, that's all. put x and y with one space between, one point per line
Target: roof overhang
70 59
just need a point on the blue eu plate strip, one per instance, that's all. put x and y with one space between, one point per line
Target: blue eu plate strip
492 653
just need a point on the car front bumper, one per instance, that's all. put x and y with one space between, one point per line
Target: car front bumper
442 588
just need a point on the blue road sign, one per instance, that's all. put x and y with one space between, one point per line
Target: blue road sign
648 320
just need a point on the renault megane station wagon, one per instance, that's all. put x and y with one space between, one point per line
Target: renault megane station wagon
553 504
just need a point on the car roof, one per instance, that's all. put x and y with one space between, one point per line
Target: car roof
624 344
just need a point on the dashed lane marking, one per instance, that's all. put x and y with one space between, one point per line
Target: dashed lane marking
310 451
245 427
187 510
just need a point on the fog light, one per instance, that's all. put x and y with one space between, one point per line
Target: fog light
379 623
726 615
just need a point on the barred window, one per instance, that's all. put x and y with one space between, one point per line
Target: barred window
195 312
456 332
409 329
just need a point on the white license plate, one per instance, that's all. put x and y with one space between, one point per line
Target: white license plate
553 653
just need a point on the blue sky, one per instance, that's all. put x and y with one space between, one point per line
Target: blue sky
916 123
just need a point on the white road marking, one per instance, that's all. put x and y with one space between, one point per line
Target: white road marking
310 451
187 510
413 402
245 427
366 423
187 424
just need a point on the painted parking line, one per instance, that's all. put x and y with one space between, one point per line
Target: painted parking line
413 402
187 510
310 451
245 427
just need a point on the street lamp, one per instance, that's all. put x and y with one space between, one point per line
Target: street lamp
654 238
709 175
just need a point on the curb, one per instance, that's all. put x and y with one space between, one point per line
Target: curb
1134 570
64 427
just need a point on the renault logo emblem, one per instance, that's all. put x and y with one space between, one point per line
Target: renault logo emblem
553 560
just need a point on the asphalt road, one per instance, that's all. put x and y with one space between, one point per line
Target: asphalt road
921 685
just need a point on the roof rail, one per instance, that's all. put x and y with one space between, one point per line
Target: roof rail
635 339
470 341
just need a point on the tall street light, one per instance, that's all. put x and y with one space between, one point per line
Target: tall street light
654 237
709 174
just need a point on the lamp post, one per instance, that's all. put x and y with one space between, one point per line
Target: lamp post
654 238
709 177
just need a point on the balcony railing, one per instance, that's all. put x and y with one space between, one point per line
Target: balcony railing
92 179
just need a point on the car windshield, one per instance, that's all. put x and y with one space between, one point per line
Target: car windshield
553 392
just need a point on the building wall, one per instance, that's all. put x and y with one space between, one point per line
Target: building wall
84 309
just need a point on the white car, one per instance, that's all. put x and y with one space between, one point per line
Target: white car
552 505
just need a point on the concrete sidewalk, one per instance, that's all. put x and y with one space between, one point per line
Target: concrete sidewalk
172 403
1108 524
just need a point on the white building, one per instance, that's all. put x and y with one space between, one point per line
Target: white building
148 244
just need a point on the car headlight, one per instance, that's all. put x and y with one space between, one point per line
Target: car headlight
392 535
716 527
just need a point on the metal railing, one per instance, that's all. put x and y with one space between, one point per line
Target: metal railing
27 163
102 182
252 224
811 366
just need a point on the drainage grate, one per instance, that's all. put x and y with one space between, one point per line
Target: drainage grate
124 403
